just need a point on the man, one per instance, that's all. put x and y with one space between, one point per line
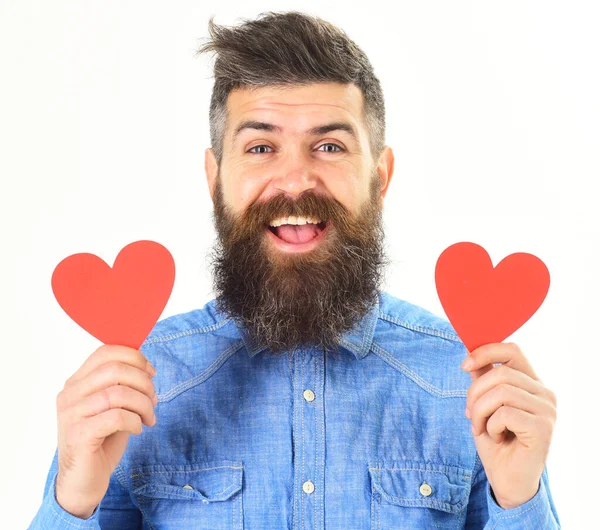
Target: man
303 396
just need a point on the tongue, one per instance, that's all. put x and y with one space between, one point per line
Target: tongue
297 233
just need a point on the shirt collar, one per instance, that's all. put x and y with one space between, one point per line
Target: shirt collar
358 340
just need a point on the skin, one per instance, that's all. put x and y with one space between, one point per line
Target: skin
105 401
295 162
513 415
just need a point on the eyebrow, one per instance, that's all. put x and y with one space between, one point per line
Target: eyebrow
314 131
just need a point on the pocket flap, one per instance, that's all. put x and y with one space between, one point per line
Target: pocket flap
208 481
442 487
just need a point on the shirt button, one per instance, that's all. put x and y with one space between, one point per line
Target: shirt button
187 487
309 395
425 489
308 487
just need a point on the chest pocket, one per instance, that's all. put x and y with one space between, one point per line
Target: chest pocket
202 496
414 496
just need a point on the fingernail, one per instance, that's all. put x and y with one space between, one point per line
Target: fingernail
150 369
467 364
468 413
155 399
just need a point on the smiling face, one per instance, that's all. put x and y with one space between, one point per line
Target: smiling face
298 203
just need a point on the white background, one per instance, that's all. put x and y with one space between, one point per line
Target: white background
492 111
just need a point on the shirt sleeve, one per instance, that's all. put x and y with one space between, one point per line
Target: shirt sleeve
484 513
115 511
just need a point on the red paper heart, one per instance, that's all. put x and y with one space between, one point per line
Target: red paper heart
119 305
486 304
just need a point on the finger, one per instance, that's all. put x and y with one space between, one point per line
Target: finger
107 353
119 397
475 373
93 430
505 395
508 354
507 375
105 376
508 421
479 372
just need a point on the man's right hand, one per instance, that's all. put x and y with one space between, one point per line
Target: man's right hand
104 402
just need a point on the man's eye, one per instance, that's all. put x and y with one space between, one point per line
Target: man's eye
256 147
334 145
341 149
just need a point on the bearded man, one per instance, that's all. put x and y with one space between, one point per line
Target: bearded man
302 396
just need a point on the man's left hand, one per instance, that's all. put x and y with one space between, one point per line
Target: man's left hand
513 416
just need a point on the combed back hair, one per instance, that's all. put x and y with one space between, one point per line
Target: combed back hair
286 49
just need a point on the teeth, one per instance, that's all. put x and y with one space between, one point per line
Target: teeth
293 220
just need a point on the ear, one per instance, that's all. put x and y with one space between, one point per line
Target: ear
385 169
211 169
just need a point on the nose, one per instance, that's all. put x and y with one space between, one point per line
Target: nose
294 176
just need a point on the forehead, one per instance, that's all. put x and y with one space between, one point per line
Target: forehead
298 106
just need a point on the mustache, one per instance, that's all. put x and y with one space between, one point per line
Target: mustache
308 204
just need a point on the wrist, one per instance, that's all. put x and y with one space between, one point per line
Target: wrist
79 509
515 502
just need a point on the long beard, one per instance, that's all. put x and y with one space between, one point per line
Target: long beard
287 301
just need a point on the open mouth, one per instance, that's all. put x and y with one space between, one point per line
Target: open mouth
297 234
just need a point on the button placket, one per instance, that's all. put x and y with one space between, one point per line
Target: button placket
307 367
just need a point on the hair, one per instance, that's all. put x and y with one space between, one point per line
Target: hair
286 49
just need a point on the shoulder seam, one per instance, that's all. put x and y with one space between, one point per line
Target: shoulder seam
165 338
420 329
203 376
413 376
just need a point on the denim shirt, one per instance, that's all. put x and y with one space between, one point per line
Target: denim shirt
370 436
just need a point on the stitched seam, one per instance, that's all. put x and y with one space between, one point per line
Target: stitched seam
420 329
302 408
379 497
232 507
76 525
293 357
505 518
474 472
144 515
317 478
140 503
372 509
159 487
120 474
419 502
171 494
196 331
197 470
322 462
392 361
240 501
349 346
191 383
415 469
362 344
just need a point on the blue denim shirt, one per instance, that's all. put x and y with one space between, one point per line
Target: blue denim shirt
371 436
